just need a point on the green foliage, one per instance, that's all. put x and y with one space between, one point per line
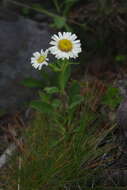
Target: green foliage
41 106
51 90
32 83
59 151
59 22
112 97
59 19
61 9
48 102
77 100
62 145
120 58
44 97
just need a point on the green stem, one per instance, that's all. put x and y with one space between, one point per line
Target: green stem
41 10
62 86
56 5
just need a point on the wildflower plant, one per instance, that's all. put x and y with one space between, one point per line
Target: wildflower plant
64 46
55 98
61 149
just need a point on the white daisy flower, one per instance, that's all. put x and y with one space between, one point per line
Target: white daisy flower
39 59
65 45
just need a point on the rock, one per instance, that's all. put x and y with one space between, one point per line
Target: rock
122 117
121 114
19 38
122 85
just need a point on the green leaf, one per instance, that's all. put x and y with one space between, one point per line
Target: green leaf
44 97
120 58
112 97
59 22
32 83
42 107
76 101
51 90
56 103
55 67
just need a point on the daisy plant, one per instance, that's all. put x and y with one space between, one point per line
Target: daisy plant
65 47
61 147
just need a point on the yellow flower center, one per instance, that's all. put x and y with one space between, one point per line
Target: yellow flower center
41 59
65 45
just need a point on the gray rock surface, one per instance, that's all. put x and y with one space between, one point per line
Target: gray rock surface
19 38
121 114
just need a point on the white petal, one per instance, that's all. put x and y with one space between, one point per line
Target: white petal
77 49
55 37
35 62
53 43
35 66
77 45
76 41
60 35
73 37
71 54
40 66
42 52
68 34
65 35
36 54
53 50
46 51
32 58
32 61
